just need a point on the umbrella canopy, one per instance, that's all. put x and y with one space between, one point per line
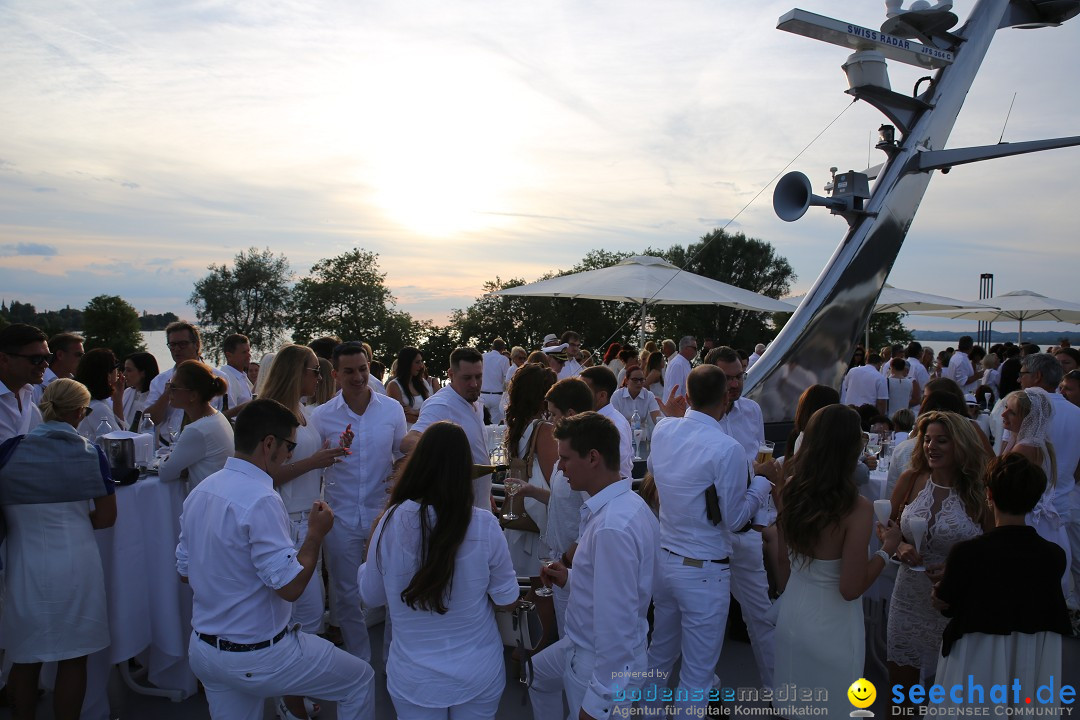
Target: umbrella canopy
644 279
1020 305
893 299
647 280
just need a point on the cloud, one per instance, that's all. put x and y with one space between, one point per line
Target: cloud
10 249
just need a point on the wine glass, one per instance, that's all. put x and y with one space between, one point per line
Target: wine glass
512 485
544 590
173 431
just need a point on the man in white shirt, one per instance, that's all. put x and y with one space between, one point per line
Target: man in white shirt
458 402
245 572
679 367
24 357
743 422
573 366
372 426
689 456
518 356
916 370
865 385
601 382
603 654
491 388
759 350
1044 371
67 350
960 368
237 358
184 344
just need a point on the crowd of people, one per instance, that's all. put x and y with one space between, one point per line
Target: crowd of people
307 465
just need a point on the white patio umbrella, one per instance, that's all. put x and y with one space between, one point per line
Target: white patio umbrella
1020 305
894 299
646 280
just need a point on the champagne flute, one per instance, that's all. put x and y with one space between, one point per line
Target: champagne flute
512 485
545 590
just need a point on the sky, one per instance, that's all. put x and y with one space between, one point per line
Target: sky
141 141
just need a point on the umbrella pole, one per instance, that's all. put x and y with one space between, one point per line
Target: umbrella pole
1020 332
641 329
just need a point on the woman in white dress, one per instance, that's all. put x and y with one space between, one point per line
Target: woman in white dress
825 525
55 490
1002 595
941 492
528 436
139 369
97 371
295 374
440 566
409 386
206 441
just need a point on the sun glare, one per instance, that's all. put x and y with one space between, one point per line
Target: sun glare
439 153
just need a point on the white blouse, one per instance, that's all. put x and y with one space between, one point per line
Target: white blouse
202 449
438 660
299 493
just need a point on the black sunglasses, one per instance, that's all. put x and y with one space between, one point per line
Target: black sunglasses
288 443
35 359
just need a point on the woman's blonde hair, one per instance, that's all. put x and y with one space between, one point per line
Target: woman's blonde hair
287 375
61 397
971 458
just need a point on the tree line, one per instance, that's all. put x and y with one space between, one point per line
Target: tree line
258 295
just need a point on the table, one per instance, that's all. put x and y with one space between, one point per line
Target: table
149 608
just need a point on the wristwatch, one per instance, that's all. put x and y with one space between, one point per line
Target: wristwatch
883 555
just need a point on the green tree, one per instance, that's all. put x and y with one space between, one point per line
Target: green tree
887 329
436 344
347 296
251 298
111 322
737 260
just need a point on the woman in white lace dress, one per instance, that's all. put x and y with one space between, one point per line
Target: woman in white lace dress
1027 415
528 435
942 490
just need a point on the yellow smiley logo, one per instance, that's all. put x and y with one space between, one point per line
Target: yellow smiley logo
862 693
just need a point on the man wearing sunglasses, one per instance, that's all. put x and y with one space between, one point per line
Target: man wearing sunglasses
184 344
237 553
24 357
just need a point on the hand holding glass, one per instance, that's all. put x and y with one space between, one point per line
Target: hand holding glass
545 590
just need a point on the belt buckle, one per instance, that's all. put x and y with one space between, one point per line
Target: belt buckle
691 562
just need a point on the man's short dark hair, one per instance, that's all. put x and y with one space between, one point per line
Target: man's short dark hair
64 341
591 431
723 353
233 341
260 418
895 349
873 359
601 378
570 394
706 386
324 347
964 343
353 347
18 335
914 349
464 354
570 335
498 344
181 326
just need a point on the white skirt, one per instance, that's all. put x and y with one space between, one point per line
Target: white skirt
1034 660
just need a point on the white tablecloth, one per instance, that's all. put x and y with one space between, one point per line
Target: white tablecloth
149 608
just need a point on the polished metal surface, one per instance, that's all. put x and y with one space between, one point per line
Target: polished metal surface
816 344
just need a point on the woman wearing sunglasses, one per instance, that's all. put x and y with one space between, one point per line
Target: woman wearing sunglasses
295 374
206 441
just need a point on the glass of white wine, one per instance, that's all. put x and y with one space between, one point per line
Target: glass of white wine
512 484
545 590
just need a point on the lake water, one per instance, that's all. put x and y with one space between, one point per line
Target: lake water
158 346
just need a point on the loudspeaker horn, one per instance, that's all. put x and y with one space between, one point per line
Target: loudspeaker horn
793 196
